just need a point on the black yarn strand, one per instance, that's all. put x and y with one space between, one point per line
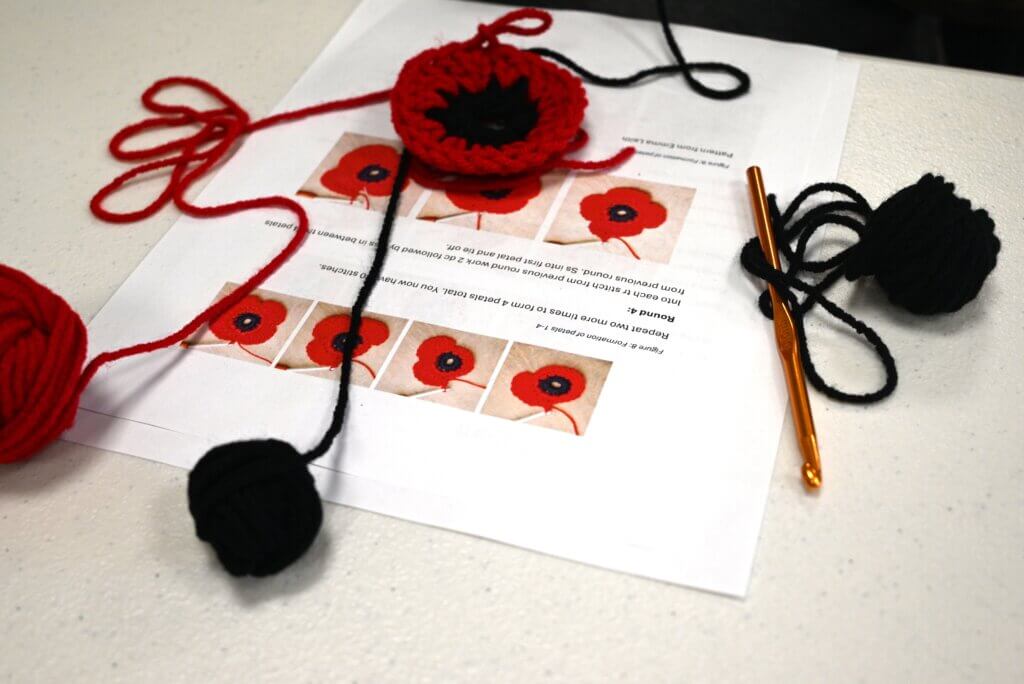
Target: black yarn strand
686 69
851 213
356 314
742 79
606 81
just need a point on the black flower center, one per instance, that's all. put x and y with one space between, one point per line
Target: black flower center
448 362
497 193
373 173
495 116
247 322
339 340
621 213
555 385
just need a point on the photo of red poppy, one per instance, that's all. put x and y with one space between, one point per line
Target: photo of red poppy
317 349
641 219
440 365
548 386
331 333
254 321
364 172
360 170
622 212
511 206
498 200
552 389
440 361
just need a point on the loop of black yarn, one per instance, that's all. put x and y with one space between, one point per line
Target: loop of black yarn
686 69
927 248
255 501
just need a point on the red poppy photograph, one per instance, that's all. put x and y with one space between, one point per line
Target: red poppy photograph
500 200
621 212
441 361
442 365
255 329
638 219
360 170
317 349
547 388
251 321
517 209
331 334
365 171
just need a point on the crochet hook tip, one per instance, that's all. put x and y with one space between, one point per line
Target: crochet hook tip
812 476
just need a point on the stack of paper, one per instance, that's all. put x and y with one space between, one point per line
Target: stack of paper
577 368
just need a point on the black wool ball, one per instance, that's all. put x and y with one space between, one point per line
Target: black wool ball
927 248
256 504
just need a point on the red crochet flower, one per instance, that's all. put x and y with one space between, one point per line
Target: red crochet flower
440 361
252 321
369 170
498 200
548 386
483 108
621 212
330 334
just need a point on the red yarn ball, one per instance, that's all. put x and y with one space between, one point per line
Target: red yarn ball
480 78
42 350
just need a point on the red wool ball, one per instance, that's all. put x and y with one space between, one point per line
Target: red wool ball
42 351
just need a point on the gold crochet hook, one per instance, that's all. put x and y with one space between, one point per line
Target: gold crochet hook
786 338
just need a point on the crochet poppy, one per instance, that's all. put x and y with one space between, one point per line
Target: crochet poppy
251 321
481 108
621 212
548 386
440 361
498 200
330 335
364 171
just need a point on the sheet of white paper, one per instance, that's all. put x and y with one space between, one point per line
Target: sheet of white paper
669 476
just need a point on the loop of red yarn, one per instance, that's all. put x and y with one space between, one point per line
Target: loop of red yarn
510 23
42 349
192 156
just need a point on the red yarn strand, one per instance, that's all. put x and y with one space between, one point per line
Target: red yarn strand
629 247
619 158
192 157
575 427
255 355
367 368
470 382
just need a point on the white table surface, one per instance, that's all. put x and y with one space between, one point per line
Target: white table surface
908 567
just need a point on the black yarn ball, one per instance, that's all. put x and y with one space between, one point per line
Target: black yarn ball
256 504
927 248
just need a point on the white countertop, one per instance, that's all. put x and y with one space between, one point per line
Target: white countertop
908 567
